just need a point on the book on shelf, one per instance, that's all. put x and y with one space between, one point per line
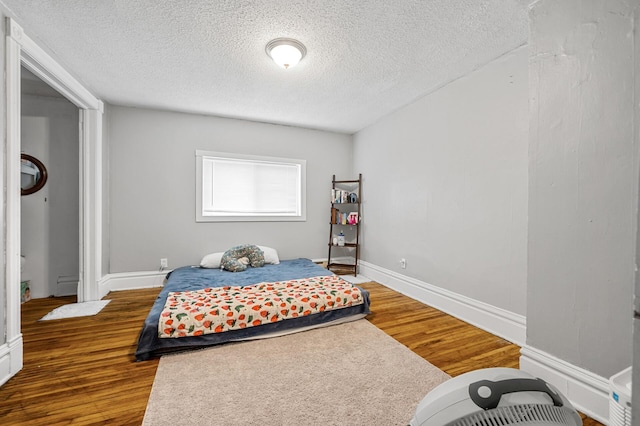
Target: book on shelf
344 218
334 215
342 196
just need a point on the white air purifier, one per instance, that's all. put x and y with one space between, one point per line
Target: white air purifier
620 398
495 396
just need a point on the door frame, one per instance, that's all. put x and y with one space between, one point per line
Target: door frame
20 50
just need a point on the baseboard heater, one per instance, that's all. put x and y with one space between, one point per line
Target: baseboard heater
67 285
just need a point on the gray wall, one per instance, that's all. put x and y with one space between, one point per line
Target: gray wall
445 185
583 176
50 217
152 186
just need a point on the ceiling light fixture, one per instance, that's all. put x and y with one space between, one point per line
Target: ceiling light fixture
286 52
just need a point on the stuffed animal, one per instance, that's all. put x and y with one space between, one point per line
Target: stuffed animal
237 258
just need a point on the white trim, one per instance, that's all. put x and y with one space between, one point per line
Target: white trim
21 50
36 60
10 359
498 321
131 281
588 392
13 355
300 215
90 204
5 364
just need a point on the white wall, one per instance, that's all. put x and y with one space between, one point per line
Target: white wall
50 217
152 186
445 186
583 171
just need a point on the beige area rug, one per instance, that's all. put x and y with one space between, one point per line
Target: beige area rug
348 374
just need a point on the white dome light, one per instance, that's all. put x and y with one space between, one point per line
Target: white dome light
286 52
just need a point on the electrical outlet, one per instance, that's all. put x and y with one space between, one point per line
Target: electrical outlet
403 263
164 263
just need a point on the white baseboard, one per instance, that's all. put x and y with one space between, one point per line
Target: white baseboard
588 392
10 359
131 281
498 321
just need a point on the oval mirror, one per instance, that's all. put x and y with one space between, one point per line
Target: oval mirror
33 174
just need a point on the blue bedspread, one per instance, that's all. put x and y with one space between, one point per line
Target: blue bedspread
196 278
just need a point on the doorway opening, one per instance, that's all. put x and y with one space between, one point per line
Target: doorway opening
49 217
22 51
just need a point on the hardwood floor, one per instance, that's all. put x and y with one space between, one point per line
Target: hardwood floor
82 370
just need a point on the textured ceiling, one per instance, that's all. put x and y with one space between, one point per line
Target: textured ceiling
365 58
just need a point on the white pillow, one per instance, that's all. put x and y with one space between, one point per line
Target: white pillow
211 260
270 255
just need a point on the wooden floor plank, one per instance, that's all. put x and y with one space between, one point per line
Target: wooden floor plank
83 371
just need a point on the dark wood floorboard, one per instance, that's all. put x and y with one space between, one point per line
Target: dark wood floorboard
82 371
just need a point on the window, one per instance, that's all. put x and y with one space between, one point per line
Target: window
233 187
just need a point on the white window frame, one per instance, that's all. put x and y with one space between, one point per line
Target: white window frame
202 216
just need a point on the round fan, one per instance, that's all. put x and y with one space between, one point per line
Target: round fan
495 396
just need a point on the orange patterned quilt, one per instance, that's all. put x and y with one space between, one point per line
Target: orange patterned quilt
219 309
